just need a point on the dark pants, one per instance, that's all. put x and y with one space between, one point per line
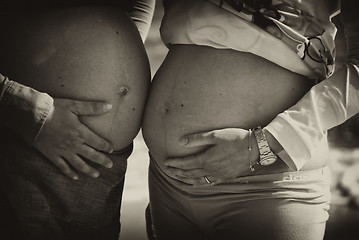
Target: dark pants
45 204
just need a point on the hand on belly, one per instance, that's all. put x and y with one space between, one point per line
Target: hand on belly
64 139
85 53
226 158
190 95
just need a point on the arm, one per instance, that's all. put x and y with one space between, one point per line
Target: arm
299 131
23 109
52 126
142 13
325 106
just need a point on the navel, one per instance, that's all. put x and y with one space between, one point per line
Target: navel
123 91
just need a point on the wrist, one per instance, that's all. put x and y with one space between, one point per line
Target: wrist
266 155
43 110
255 149
24 110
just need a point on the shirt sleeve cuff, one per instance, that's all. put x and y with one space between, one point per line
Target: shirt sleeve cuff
24 110
296 153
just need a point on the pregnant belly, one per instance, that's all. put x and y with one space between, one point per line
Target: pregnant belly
83 53
201 88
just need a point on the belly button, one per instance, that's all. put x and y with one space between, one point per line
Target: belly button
165 110
123 91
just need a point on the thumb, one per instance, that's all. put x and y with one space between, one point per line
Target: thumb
198 139
89 107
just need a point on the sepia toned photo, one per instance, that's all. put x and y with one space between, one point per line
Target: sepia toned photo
179 119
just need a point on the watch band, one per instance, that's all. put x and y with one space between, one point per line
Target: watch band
266 156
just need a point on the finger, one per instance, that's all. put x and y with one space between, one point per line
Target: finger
64 168
187 163
196 182
206 180
93 140
199 139
95 156
89 107
196 173
191 181
182 179
82 166
223 180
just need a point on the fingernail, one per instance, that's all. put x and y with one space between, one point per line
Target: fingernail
95 175
109 165
110 151
107 106
183 141
75 177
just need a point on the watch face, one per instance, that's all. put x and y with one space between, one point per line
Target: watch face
268 161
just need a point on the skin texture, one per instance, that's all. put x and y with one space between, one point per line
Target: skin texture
197 118
221 161
73 138
92 54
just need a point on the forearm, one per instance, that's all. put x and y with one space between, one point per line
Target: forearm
141 14
23 109
302 128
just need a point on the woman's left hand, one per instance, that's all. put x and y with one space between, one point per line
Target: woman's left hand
226 158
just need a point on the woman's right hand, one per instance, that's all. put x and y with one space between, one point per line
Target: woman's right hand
67 142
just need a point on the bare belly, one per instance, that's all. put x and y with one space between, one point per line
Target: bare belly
200 88
84 53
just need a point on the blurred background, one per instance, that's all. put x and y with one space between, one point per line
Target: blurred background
343 223
135 196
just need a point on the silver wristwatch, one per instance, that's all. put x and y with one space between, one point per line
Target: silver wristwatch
266 156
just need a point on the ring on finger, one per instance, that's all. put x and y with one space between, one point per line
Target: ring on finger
208 181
